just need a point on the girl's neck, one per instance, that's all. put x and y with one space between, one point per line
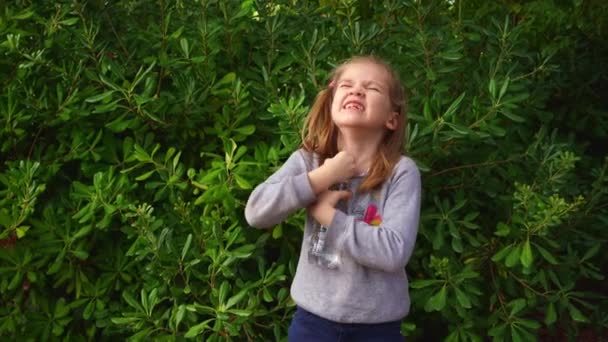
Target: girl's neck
363 150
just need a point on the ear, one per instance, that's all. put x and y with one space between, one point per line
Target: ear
391 122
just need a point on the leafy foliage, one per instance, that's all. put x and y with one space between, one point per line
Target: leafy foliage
132 133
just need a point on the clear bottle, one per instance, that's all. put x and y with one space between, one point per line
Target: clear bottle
319 252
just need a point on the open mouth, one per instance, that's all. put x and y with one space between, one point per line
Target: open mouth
353 105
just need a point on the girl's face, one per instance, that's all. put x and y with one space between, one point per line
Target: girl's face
362 98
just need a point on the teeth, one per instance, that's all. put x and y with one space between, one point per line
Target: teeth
353 105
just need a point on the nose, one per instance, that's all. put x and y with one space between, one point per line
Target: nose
356 90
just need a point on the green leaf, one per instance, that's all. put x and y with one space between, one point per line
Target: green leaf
236 298
224 288
419 284
141 334
462 298
152 299
502 253
277 232
183 42
451 55
437 301
105 108
513 257
246 130
266 295
69 22
144 300
515 335
502 229
453 107
61 309
124 320
131 301
227 79
85 230
551 315
592 251
512 116
56 264
576 315
528 323
5 219
241 312
16 280
517 305
545 254
23 15
460 129
427 110
498 332
457 245
21 230
242 182
504 87
145 176
186 246
179 316
100 97
80 254
526 257
492 88
197 329
88 310
243 251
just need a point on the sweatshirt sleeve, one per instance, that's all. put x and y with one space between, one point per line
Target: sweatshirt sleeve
284 192
389 246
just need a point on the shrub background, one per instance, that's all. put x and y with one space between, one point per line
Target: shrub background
132 132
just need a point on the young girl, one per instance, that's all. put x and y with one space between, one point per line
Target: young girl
363 202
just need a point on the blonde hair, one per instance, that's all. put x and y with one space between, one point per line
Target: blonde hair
320 134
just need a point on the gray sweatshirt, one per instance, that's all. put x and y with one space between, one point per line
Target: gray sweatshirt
373 235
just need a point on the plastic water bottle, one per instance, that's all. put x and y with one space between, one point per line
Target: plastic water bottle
318 251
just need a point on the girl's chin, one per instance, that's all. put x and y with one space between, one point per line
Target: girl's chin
349 124
352 126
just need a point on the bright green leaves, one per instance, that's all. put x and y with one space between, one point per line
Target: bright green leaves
461 228
526 257
142 314
520 253
132 134
514 324
290 114
437 301
463 298
456 290
169 172
99 202
18 196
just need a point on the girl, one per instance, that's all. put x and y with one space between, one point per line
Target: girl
363 201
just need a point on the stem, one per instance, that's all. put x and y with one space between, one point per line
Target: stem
163 31
524 284
467 166
116 35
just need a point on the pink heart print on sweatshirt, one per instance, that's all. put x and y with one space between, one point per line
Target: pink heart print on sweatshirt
371 216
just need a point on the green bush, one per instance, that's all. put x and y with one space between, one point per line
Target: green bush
132 132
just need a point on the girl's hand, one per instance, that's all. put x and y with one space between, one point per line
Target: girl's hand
324 209
340 168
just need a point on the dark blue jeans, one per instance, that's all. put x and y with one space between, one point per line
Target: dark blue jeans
308 327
